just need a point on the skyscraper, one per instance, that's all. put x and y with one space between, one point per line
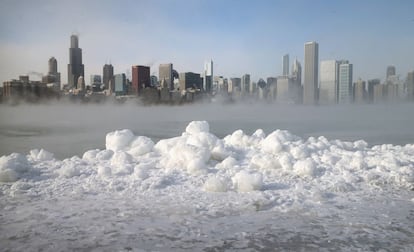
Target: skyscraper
108 76
52 76
208 76
310 83
165 74
245 84
286 65
345 82
140 78
371 89
75 66
328 90
359 91
297 72
52 66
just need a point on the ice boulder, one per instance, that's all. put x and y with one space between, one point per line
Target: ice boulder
140 145
118 140
196 127
216 184
245 182
12 167
306 168
41 155
121 163
274 142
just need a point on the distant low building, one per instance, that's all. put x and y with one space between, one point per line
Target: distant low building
26 90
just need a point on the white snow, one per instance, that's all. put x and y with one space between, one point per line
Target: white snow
200 175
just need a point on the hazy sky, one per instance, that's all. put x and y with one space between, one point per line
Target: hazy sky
241 36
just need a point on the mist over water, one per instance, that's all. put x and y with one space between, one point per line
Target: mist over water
72 129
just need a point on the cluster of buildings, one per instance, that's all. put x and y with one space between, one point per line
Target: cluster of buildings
324 82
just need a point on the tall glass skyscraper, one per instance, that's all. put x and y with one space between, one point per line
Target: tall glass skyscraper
310 82
328 90
345 82
75 66
286 65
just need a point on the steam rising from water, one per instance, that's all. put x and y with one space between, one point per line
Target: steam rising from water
68 129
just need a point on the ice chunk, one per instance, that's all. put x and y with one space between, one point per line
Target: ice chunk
121 163
305 168
41 155
12 167
141 145
90 155
69 170
216 184
246 182
118 140
196 127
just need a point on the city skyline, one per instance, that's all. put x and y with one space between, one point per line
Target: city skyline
111 32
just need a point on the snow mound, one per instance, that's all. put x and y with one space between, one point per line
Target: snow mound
238 162
12 167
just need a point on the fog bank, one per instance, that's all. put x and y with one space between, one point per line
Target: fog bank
71 129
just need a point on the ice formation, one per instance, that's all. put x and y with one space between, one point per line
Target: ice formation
249 162
279 172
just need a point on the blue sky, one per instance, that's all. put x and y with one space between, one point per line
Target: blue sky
241 36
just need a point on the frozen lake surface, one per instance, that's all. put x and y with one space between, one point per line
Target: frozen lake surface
175 182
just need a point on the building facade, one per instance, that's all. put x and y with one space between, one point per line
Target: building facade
120 85
287 90
285 65
53 76
359 91
108 76
310 82
245 84
328 88
208 76
165 75
345 83
189 80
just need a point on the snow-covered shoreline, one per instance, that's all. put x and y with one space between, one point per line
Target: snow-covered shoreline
242 189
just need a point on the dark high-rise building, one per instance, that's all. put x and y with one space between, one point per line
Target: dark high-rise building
108 76
141 78
310 82
75 66
52 66
390 71
190 80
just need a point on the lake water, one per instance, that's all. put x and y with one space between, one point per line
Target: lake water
67 129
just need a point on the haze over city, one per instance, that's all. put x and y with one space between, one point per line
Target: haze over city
240 36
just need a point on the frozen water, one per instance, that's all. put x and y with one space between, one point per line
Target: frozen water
197 191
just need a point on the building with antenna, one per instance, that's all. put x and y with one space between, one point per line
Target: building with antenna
75 66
